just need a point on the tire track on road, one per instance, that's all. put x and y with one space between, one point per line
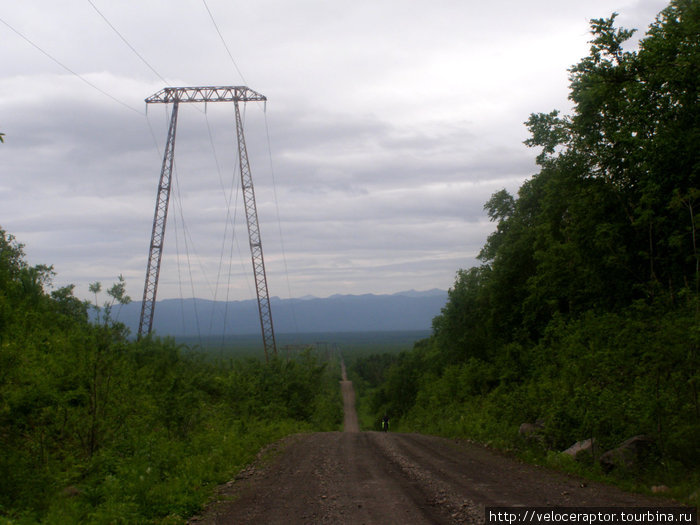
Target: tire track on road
350 422
356 478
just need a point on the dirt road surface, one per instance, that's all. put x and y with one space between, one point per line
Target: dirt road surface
350 423
354 477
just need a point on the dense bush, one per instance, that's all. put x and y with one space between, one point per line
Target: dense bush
97 428
585 312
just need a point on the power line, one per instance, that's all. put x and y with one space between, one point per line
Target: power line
279 222
85 80
227 199
127 43
223 41
185 236
269 149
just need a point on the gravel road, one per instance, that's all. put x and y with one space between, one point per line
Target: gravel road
354 477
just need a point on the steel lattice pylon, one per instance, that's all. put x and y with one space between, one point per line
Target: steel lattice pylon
176 96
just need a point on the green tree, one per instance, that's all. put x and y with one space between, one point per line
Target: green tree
117 294
585 309
133 430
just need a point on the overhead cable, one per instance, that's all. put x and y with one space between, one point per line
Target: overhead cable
223 41
279 222
85 80
127 43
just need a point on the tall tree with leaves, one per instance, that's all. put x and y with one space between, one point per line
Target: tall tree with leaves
636 128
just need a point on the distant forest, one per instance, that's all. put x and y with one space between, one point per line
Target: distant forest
584 316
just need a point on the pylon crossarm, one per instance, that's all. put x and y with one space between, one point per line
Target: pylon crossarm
206 94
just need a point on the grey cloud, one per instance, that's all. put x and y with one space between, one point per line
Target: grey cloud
389 126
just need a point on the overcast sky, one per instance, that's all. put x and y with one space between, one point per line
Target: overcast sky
388 125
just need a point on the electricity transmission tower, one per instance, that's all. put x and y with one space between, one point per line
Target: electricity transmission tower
176 96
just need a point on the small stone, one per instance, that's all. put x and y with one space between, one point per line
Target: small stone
629 455
582 449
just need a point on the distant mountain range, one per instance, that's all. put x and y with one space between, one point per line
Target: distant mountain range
409 310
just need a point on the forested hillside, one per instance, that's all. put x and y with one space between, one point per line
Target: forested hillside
583 315
95 428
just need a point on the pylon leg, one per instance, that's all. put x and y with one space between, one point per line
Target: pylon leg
256 251
158 232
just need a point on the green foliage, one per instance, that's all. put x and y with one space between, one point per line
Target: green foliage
97 428
585 312
368 366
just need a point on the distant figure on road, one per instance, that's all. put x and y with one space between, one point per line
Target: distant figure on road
385 423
